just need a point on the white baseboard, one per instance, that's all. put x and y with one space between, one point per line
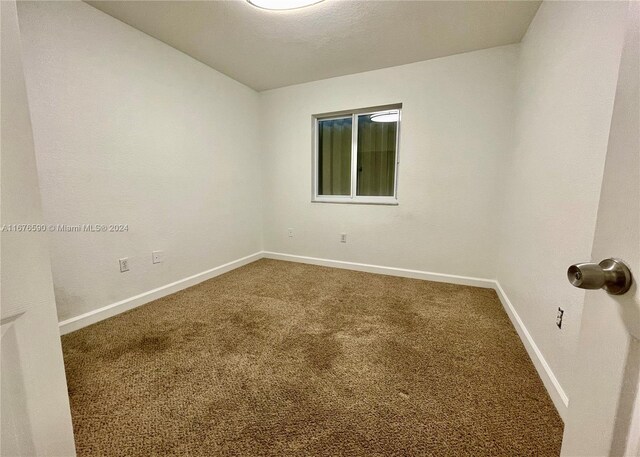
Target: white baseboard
556 392
78 322
390 271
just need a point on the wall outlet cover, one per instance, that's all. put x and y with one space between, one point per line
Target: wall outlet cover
124 264
157 256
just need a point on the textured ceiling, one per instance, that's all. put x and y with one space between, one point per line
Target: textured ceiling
267 49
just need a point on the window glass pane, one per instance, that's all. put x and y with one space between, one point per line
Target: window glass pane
377 153
334 156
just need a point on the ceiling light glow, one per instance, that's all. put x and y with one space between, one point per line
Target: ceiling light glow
389 116
282 4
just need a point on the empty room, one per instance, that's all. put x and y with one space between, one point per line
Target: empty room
320 228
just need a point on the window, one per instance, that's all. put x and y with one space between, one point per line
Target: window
356 156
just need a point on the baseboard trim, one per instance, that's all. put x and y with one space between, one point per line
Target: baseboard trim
390 271
556 392
83 320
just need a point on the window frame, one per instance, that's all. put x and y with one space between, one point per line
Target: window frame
353 198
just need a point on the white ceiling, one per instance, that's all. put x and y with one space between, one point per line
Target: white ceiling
269 49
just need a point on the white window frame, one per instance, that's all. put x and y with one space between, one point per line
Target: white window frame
353 198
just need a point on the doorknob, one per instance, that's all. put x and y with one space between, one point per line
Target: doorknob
611 275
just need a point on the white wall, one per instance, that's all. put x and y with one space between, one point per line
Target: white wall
567 79
131 131
35 415
455 133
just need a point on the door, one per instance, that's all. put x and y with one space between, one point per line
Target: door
604 404
35 416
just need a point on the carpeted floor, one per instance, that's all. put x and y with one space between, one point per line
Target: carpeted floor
279 358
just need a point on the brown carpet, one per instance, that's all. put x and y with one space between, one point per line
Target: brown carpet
279 358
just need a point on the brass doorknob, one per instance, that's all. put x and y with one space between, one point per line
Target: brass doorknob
611 275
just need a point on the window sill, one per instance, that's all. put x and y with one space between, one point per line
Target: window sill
388 201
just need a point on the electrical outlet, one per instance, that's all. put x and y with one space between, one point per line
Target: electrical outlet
157 256
343 237
124 264
559 317
290 232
